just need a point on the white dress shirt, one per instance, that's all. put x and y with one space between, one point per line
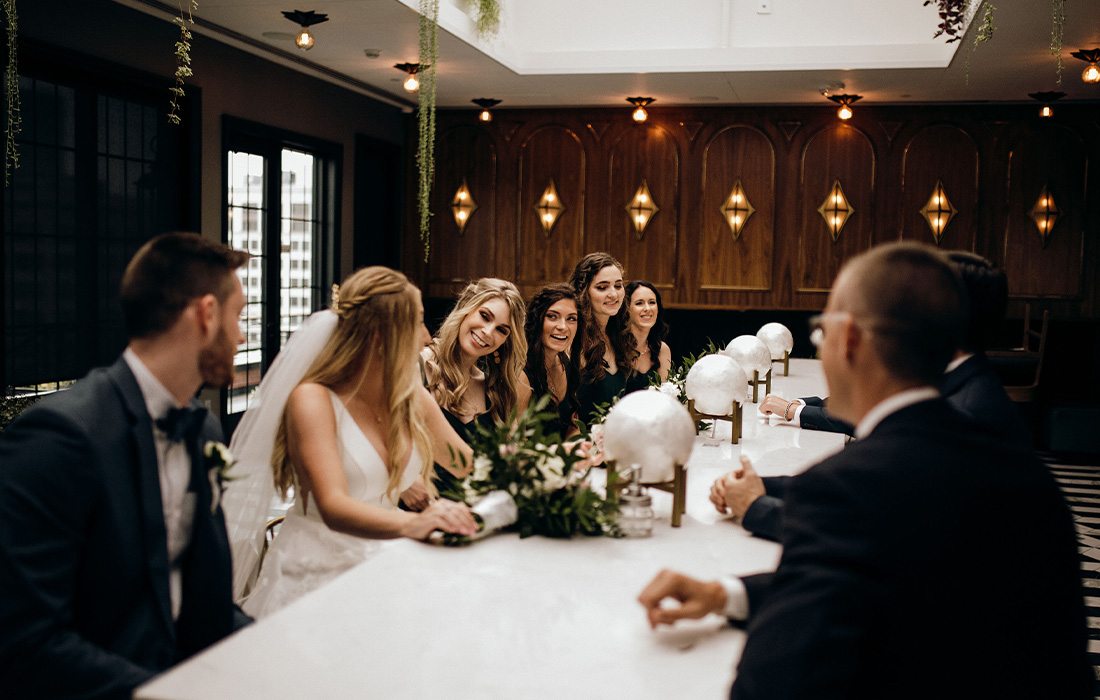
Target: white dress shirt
174 469
737 598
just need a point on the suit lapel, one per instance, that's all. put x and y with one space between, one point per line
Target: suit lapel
148 479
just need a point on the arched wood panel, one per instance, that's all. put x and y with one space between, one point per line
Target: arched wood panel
837 152
552 153
947 154
649 153
464 152
1055 157
738 153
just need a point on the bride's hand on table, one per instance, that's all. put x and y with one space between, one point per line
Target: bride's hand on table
444 515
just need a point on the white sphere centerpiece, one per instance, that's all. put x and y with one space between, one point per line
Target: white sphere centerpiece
651 429
753 355
780 343
715 385
655 431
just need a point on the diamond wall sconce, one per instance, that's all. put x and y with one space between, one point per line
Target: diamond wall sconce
549 208
463 206
641 209
938 211
737 209
1044 214
835 210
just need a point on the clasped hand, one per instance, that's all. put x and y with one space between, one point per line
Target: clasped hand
736 491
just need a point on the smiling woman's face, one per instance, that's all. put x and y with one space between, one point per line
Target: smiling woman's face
559 325
643 307
485 328
606 292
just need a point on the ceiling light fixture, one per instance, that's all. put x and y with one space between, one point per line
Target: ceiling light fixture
845 101
411 84
486 104
1046 98
1091 74
306 19
640 114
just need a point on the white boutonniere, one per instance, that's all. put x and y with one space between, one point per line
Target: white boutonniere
219 461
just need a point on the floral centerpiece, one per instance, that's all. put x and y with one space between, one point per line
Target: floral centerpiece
546 478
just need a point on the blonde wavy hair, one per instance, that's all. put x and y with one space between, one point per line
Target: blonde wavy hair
443 369
378 320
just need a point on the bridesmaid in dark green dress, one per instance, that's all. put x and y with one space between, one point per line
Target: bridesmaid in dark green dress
474 366
644 343
598 282
553 329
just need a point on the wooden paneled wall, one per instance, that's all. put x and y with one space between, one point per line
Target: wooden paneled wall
993 161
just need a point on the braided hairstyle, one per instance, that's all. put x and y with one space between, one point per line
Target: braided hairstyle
378 322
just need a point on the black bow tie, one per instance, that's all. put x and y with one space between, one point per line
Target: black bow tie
180 423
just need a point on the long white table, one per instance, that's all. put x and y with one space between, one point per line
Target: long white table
505 617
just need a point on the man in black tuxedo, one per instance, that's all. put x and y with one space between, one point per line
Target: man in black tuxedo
114 562
970 385
926 559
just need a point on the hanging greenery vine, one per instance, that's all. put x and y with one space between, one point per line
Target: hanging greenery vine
425 148
488 17
982 34
952 18
1057 30
14 122
183 57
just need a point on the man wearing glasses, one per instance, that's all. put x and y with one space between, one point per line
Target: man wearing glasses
927 559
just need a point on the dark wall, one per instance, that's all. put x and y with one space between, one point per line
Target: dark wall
993 162
232 82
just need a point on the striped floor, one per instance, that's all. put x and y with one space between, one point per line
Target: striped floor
1081 487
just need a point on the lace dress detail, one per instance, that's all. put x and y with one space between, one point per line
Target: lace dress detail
307 554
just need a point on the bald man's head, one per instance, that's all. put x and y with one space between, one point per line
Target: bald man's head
911 299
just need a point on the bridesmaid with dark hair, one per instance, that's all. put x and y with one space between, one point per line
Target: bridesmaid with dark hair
598 283
554 329
643 316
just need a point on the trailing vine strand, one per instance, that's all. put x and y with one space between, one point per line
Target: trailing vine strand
488 17
183 58
425 149
1057 31
14 123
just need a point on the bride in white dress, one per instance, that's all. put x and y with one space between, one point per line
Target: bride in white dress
354 429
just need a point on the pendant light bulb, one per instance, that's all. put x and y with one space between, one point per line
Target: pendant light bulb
304 39
411 84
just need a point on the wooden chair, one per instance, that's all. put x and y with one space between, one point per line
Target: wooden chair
1031 351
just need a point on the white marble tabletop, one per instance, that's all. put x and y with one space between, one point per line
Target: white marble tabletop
505 617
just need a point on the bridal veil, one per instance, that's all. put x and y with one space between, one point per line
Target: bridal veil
250 495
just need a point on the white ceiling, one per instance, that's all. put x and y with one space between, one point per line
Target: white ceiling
682 52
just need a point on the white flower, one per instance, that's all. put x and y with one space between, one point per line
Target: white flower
482 466
670 389
218 453
552 470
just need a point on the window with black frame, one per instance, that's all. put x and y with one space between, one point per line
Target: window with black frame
101 172
280 206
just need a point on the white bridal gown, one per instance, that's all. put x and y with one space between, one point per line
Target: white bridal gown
307 554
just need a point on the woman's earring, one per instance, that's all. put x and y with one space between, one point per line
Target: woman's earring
496 357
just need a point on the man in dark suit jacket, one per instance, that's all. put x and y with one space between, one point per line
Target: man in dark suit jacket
970 385
928 558
114 562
